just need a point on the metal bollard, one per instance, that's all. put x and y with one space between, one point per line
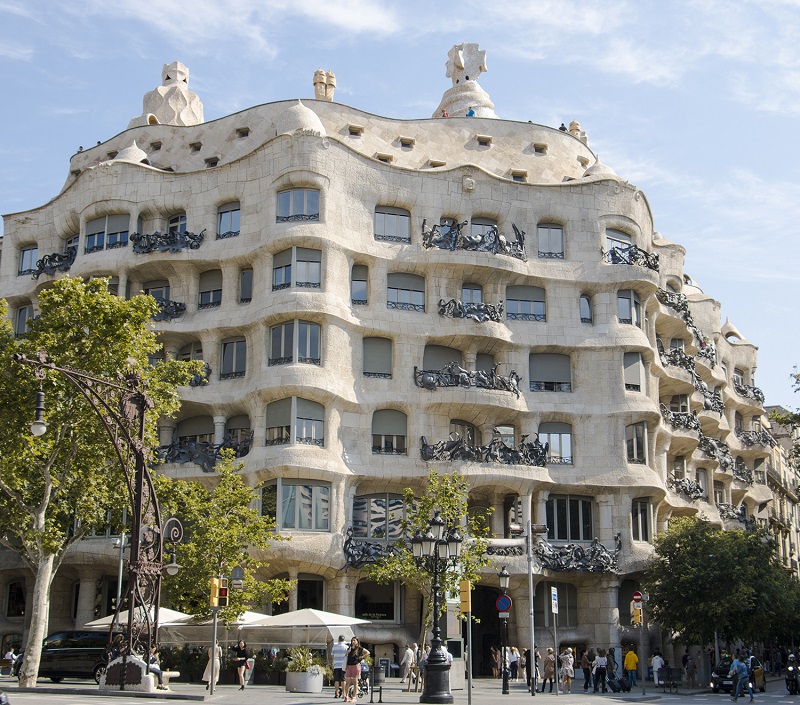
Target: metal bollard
372 693
380 695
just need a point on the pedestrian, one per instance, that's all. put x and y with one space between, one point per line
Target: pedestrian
631 666
691 672
567 670
612 663
406 663
154 665
657 663
493 657
739 670
777 663
471 112
215 657
240 661
600 670
513 663
548 669
526 661
355 655
586 667
11 657
445 114
338 653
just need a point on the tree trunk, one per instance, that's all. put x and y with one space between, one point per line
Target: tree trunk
40 614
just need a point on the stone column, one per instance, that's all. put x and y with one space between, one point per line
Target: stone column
86 596
293 594
340 592
230 286
219 429
497 520
166 431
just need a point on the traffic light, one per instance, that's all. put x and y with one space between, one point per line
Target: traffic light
465 594
222 592
213 599
636 614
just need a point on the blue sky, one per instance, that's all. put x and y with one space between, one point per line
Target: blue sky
696 102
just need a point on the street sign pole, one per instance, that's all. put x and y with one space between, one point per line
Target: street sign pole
643 656
554 609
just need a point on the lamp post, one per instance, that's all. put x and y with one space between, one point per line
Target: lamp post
434 552
121 407
533 529
505 576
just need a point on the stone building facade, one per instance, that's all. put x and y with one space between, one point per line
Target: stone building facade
377 297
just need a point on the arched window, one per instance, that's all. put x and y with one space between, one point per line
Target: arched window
679 403
389 429
471 294
28 257
586 309
245 286
481 226
550 372
392 224
210 289
558 436
526 303
177 224
405 292
228 220
110 231
617 244
295 341
641 519
24 316
465 430
297 504
307 265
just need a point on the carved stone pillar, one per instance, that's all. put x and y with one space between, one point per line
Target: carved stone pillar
166 431
219 429
230 285
340 592
86 597
497 520
293 572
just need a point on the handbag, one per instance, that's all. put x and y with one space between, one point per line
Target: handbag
247 665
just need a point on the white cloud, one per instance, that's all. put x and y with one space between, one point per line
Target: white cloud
18 52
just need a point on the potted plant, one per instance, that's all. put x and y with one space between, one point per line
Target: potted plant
302 674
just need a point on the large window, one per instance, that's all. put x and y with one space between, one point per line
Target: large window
108 232
633 371
177 224
567 605
378 357
466 431
640 519
480 226
389 428
558 436
405 292
297 504
435 357
210 289
585 307
617 243
378 603
15 604
308 426
295 341
569 518
28 257
359 277
392 224
629 308
679 403
551 241
526 303
636 443
471 294
298 204
245 286
307 266
378 516
228 220
197 429
234 358
550 372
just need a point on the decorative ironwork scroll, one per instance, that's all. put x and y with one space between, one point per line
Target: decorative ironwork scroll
168 310
453 375
747 391
201 378
594 559
677 358
680 419
451 236
680 304
170 241
728 512
631 254
504 551
717 449
361 552
683 485
496 451
479 312
743 474
751 438
56 262
202 453
712 400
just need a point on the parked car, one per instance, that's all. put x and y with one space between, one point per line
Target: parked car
721 681
71 655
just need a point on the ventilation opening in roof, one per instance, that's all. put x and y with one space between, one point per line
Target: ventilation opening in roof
112 154
435 163
242 131
196 146
155 146
540 148
519 175
385 158
407 142
212 161
484 140
355 130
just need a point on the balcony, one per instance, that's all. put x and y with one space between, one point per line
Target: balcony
453 375
632 255
540 386
479 312
718 450
451 236
682 485
202 453
361 552
56 262
747 391
496 451
592 558
168 310
171 241
680 419
680 304
751 438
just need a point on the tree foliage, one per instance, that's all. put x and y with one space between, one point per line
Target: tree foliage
702 579
57 488
448 494
222 531
791 419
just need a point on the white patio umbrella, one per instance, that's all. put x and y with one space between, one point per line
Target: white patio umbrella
165 617
307 626
189 632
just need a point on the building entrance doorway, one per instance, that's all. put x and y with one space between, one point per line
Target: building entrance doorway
486 633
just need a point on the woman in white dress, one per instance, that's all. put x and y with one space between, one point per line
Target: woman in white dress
217 650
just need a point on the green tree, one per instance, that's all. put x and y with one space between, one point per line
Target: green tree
790 419
222 531
448 494
704 580
57 488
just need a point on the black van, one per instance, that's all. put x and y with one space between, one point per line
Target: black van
73 655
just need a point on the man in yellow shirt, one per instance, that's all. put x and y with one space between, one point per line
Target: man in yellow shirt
631 664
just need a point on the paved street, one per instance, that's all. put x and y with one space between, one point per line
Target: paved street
485 692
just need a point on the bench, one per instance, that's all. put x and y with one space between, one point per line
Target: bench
5 666
165 677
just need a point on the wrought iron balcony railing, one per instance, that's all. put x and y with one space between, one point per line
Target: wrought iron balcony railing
742 473
202 453
201 379
453 375
297 217
685 486
479 312
751 438
227 234
392 238
56 262
168 310
540 386
451 236
405 306
631 254
680 419
747 391
496 451
592 558
170 241
716 449
236 374
680 304
361 552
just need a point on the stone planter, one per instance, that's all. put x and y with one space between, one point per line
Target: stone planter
303 682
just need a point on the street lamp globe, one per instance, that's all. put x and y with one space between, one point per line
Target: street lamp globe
505 576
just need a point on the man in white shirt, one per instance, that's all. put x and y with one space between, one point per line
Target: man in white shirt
658 664
338 653
406 663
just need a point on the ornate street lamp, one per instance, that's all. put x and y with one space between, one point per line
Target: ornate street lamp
434 552
505 576
121 407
